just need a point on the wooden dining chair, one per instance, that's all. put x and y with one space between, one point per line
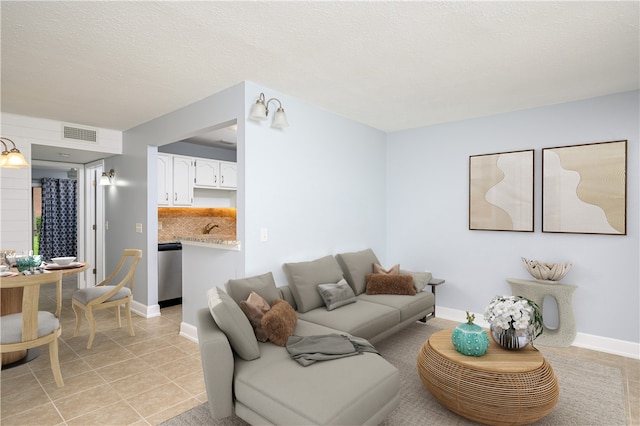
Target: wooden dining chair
31 328
105 295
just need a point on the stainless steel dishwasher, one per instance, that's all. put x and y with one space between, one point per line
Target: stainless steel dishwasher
169 274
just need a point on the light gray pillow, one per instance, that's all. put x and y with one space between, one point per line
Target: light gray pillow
336 295
420 279
305 276
263 284
234 323
355 266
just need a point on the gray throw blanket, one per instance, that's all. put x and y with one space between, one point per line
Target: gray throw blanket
309 349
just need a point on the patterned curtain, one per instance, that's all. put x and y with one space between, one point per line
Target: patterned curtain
58 232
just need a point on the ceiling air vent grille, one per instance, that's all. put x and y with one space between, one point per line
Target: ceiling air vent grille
79 134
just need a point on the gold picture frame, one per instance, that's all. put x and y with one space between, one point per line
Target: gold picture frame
584 188
501 191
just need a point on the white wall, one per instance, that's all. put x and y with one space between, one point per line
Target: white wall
15 184
133 199
427 199
318 186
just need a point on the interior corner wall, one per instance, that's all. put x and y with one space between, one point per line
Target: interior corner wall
317 187
427 198
133 200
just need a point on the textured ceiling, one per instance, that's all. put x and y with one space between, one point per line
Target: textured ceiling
391 65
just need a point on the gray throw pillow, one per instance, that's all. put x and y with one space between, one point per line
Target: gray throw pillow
336 295
420 279
234 323
355 266
305 276
264 285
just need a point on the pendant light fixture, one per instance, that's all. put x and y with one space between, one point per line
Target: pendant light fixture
12 158
260 111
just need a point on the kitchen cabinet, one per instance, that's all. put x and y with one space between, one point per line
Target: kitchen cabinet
207 172
182 181
215 174
165 179
228 175
179 175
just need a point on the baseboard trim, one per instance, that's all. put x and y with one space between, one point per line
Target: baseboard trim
189 331
144 310
582 340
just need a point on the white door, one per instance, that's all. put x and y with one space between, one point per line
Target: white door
94 224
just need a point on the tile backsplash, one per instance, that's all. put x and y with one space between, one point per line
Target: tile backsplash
173 221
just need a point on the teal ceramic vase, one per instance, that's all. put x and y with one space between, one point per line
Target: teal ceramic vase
470 339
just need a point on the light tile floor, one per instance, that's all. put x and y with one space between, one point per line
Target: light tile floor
157 374
121 380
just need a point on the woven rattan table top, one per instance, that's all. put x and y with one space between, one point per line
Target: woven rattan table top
496 359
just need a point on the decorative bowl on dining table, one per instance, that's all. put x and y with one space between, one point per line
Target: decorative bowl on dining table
63 261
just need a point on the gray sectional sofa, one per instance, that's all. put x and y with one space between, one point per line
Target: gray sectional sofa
262 384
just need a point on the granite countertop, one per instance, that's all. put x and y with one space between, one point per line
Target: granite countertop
210 239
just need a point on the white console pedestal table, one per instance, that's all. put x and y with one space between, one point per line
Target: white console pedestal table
564 335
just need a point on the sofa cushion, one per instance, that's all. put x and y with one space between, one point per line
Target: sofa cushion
279 322
234 323
285 294
346 391
254 308
305 276
409 306
355 266
390 284
420 279
362 319
264 285
394 270
336 295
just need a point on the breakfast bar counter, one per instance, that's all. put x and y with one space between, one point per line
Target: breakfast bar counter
207 261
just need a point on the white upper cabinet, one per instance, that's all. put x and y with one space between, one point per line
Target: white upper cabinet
228 175
182 181
179 175
165 180
207 173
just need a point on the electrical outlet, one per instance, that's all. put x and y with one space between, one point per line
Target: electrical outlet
264 235
139 228
159 225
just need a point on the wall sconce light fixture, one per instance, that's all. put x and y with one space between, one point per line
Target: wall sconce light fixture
12 158
260 111
107 178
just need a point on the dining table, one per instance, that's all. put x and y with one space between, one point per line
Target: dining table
11 303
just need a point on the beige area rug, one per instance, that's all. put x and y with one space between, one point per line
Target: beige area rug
590 393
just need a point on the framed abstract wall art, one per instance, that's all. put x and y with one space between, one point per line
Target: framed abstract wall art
501 191
584 188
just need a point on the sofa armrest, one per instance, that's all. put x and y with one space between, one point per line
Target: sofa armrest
217 365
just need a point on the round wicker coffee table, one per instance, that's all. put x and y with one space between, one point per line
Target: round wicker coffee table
499 388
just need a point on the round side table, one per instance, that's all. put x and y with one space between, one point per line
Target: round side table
499 388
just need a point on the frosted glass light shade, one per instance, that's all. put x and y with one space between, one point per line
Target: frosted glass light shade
280 119
16 160
258 111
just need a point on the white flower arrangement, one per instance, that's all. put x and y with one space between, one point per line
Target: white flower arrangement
515 313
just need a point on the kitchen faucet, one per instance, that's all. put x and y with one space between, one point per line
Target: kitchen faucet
209 227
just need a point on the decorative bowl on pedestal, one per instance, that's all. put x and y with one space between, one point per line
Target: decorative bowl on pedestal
546 272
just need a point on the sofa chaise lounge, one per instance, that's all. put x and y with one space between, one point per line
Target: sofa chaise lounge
261 383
